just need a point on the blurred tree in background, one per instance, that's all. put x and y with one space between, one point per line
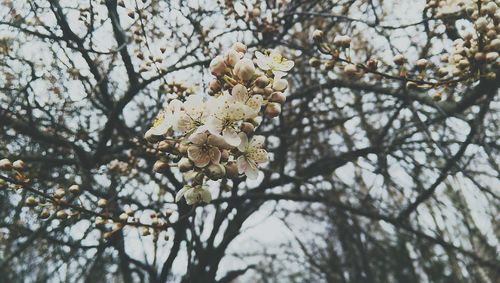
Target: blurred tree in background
383 163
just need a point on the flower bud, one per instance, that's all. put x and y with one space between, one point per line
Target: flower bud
215 171
231 170
44 214
342 41
278 97
481 24
215 86
411 85
102 203
372 64
185 164
422 64
151 138
217 66
280 84
350 70
314 62
18 165
123 217
490 8
491 56
240 47
442 72
182 148
255 12
165 146
273 109
160 166
59 193
318 35
262 82
464 63
480 57
495 44
399 59
437 97
74 189
247 128
232 57
224 155
61 214
244 69
31 201
5 164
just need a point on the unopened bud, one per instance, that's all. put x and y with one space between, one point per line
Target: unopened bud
160 166
182 148
44 214
31 201
165 146
244 69
214 86
240 47
5 164
399 59
247 128
350 70
491 56
262 82
217 66
318 35
314 62
273 109
18 165
61 214
232 170
422 64
74 189
185 164
123 217
372 64
224 155
215 171
277 96
102 203
59 193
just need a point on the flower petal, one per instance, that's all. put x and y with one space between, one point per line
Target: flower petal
240 93
244 142
180 193
262 61
286 65
198 139
199 157
215 154
231 137
257 141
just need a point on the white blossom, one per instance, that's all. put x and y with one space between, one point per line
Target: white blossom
252 155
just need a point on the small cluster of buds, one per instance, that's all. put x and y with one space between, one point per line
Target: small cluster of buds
110 225
213 137
473 57
55 203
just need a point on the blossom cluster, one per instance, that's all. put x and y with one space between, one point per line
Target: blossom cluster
478 48
213 136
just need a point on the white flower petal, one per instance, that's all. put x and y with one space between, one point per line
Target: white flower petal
181 193
244 142
231 137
